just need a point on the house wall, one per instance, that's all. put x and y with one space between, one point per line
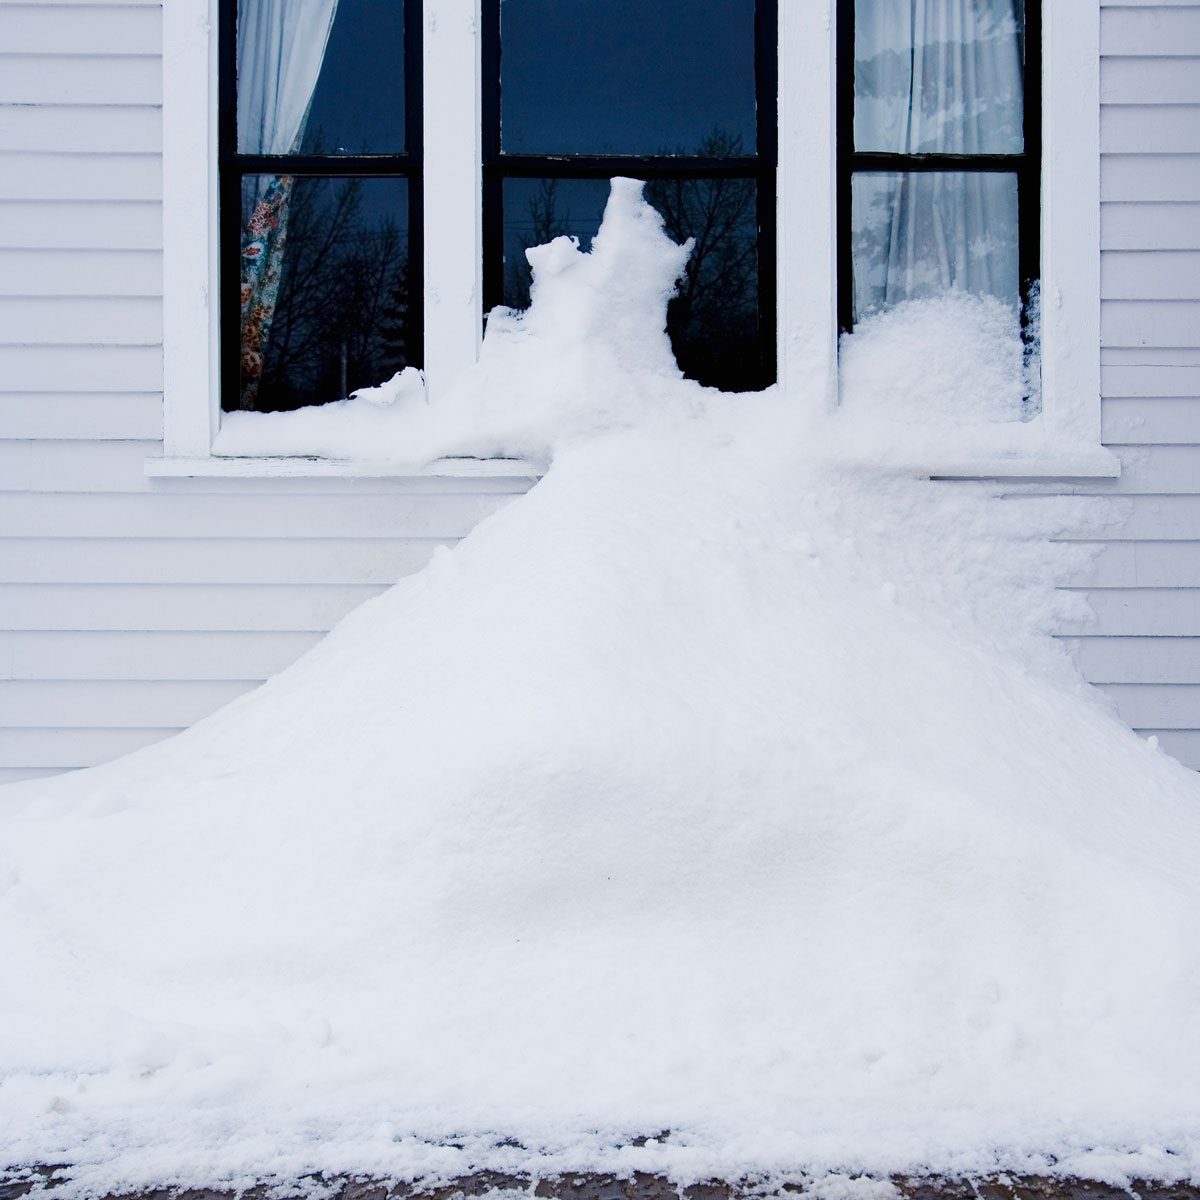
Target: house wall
129 607
1144 647
132 607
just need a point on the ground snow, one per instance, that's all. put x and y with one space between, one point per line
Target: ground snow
710 788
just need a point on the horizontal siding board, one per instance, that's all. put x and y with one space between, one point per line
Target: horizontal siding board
1146 565
1150 128
1152 323
113 704
80 368
80 79
72 176
66 749
1156 518
1138 660
76 29
86 129
1155 420
101 655
80 225
81 415
214 560
1160 178
1150 380
81 320
74 466
1134 226
1141 612
1150 275
1167 31
231 607
1158 470
101 273
1138 80
1157 705
214 515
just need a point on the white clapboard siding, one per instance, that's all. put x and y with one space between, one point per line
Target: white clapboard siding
1145 565
1151 420
76 79
106 654
1142 612
1157 178
258 514
85 129
88 31
1157 705
75 176
102 273
1168 30
61 749
1150 79
74 415
88 320
231 607
113 704
68 368
213 560
1150 379
1158 324
1136 226
80 225
1183 744
1150 275
1138 659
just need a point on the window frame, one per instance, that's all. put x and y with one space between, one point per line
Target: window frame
1063 441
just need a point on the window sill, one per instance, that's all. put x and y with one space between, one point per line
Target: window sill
214 467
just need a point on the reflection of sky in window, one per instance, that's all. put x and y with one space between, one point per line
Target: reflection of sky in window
358 104
625 76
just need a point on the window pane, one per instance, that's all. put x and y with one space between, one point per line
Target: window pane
627 77
938 76
920 233
320 76
324 288
713 322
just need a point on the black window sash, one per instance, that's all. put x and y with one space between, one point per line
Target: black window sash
1027 166
760 166
233 166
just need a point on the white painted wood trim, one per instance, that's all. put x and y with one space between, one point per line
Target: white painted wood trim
212 466
191 403
806 202
453 191
1071 219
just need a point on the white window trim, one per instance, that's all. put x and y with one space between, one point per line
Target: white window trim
1064 440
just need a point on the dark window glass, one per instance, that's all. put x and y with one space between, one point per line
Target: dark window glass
336 317
713 322
358 104
626 76
320 178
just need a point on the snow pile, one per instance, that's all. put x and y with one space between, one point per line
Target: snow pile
709 788
370 423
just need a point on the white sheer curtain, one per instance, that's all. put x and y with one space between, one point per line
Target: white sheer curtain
281 45
936 76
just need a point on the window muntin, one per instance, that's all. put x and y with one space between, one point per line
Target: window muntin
709 180
320 273
939 165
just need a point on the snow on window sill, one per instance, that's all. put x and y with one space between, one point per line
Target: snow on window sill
290 467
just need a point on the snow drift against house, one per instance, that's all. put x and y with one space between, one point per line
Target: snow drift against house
709 788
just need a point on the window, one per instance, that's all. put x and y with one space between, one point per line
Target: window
528 106
939 150
320 198
679 94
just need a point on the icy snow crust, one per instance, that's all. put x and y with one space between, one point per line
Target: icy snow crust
709 788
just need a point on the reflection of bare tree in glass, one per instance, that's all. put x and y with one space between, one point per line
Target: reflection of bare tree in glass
545 223
713 321
340 321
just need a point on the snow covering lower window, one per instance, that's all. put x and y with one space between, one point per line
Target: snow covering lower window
320 198
677 94
939 151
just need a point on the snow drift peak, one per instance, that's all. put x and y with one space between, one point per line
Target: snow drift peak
612 298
